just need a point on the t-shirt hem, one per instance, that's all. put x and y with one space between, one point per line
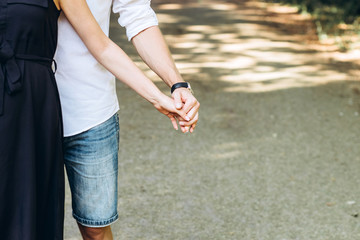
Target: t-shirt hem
81 130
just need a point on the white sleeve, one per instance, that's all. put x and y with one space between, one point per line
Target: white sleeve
135 15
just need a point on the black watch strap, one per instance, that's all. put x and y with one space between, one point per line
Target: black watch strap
179 85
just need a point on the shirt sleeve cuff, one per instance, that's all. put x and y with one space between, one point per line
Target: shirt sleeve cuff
132 32
135 16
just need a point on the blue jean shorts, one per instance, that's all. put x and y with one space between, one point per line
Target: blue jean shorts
91 161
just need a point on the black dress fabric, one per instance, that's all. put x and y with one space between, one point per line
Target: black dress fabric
31 158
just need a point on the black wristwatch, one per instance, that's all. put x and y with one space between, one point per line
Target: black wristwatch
181 85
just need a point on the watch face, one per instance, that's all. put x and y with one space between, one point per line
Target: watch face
189 87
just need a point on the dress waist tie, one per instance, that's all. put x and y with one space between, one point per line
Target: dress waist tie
10 74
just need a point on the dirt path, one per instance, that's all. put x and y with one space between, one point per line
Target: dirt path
276 153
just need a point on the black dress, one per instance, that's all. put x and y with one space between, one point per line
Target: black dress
31 158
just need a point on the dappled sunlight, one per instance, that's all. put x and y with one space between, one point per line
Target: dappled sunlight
224 36
233 64
275 81
351 55
197 45
223 6
168 18
278 8
208 29
190 36
170 6
240 48
274 57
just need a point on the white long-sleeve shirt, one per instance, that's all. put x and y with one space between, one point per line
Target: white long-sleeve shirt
87 90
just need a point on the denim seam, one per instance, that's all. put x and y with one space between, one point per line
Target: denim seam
94 223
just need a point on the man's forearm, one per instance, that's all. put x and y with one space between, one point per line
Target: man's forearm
154 51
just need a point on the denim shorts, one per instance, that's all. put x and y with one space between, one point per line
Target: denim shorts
91 161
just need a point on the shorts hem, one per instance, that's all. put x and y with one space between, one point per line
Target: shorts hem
96 224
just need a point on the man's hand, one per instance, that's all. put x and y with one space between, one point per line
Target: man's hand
185 101
166 106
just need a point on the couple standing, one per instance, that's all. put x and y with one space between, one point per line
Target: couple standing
31 128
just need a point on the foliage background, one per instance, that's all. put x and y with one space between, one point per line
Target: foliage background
337 18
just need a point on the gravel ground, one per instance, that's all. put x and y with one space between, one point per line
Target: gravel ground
275 155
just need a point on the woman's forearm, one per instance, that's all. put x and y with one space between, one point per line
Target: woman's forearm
117 62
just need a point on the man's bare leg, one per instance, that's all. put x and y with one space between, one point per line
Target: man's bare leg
91 233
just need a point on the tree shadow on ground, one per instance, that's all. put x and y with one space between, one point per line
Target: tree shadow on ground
233 43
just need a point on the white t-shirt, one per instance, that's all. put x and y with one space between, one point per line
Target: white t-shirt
87 90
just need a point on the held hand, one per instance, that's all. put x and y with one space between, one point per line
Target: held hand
184 100
166 106
188 126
